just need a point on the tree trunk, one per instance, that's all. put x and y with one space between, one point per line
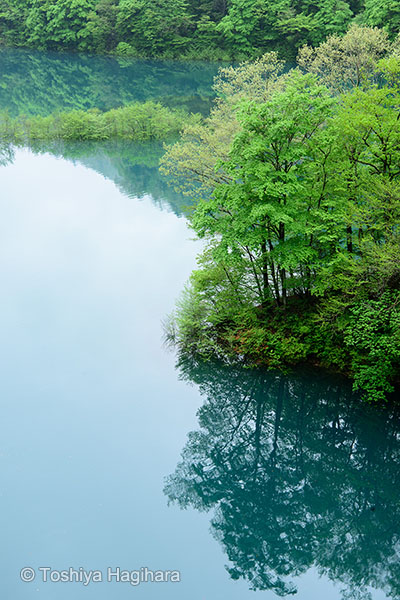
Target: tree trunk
349 232
265 272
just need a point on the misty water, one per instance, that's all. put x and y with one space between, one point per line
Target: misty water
290 484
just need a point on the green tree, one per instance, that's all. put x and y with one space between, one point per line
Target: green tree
154 28
101 25
382 13
367 140
270 213
343 62
374 330
331 17
304 214
190 162
12 19
240 25
59 24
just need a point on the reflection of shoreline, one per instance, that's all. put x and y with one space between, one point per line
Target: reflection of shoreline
132 166
35 82
299 473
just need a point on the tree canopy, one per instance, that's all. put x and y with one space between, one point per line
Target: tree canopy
300 208
213 29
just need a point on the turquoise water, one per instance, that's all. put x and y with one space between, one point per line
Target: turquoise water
300 478
34 82
289 482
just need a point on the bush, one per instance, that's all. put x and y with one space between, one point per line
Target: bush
139 121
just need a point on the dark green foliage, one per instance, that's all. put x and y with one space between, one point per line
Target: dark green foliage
152 29
374 332
101 26
383 13
13 15
213 29
63 23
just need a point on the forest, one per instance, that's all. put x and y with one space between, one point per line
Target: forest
211 29
296 176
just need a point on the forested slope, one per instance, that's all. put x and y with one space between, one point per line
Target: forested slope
176 28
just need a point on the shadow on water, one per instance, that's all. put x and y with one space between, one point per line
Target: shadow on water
298 473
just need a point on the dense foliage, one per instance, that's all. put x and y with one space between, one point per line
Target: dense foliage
171 28
299 200
139 121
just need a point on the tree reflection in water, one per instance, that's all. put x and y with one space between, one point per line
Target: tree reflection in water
299 473
7 153
132 166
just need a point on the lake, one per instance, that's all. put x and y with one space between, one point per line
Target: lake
290 484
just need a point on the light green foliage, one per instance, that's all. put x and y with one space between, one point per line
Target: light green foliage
190 163
303 218
125 49
367 146
189 326
138 121
270 213
217 294
343 62
369 124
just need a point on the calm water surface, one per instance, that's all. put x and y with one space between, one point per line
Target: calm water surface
290 484
34 82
